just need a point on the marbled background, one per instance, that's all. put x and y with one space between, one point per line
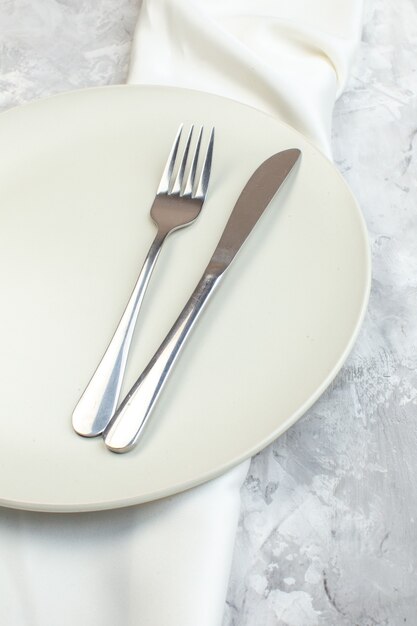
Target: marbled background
328 526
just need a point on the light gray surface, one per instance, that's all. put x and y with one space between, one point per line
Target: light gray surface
328 527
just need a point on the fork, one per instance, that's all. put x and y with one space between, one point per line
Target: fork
177 204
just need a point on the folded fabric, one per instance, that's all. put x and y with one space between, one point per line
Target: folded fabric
167 563
289 59
164 563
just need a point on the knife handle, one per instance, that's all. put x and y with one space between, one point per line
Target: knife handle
129 420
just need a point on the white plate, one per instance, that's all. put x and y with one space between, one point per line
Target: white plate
78 173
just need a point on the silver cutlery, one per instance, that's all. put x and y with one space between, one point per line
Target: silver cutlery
129 420
178 202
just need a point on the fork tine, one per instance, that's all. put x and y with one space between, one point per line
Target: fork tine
169 166
176 187
205 172
189 185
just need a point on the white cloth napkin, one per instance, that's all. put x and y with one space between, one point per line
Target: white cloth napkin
167 563
287 58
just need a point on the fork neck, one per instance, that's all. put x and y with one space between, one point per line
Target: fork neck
161 234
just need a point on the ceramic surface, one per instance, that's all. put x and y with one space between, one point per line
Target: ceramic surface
79 172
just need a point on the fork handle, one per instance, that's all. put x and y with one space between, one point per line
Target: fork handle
99 400
129 420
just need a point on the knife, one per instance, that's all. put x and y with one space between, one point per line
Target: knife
129 420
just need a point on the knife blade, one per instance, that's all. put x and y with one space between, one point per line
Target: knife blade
129 420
